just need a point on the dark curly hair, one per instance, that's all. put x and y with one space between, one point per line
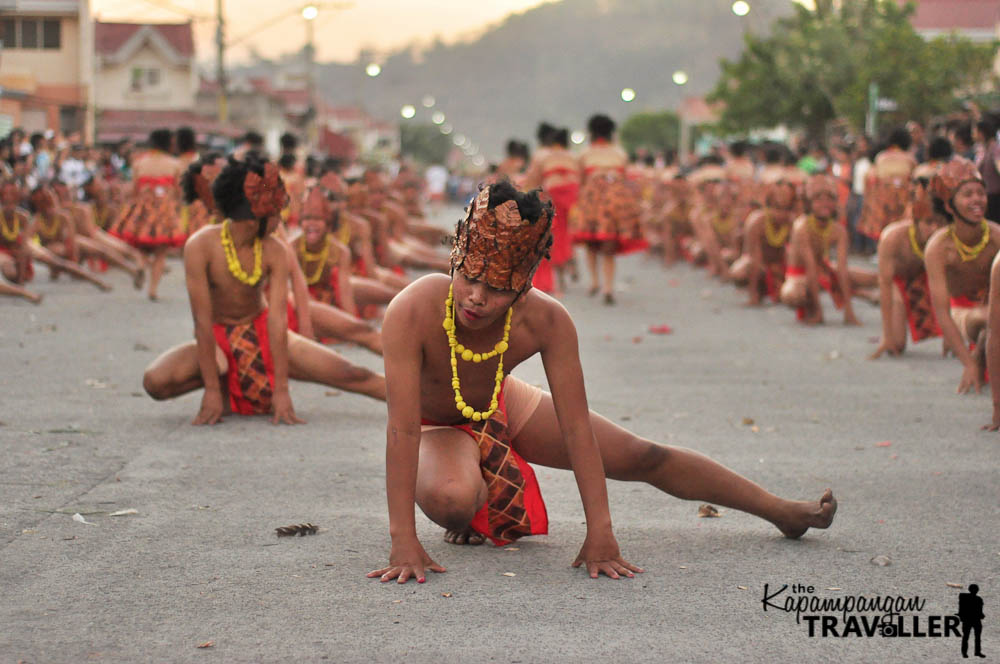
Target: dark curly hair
530 205
601 126
544 133
161 139
186 141
227 190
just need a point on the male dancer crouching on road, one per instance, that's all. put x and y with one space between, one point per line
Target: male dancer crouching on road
473 477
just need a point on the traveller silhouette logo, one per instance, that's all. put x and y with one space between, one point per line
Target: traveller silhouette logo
888 616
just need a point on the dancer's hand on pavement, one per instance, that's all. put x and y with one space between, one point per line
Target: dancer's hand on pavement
601 555
283 411
886 347
407 560
995 426
211 408
971 378
814 319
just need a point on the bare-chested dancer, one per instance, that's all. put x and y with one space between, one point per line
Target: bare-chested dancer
95 243
15 256
467 468
763 263
335 294
56 235
237 336
904 293
958 259
809 267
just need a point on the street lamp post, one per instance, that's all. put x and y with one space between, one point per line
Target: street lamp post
309 13
680 79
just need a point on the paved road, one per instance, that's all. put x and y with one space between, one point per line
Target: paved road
199 562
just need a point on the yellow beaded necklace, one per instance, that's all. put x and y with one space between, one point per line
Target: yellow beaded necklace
723 226
49 232
775 238
823 233
917 249
233 259
458 350
306 256
965 252
10 233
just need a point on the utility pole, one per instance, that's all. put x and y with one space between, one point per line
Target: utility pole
220 63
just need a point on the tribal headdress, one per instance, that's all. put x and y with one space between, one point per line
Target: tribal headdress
821 184
497 246
774 181
316 205
266 194
951 176
10 193
42 199
332 183
708 173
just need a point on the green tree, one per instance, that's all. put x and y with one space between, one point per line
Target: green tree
653 131
817 66
424 143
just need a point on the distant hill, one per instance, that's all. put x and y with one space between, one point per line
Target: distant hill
561 62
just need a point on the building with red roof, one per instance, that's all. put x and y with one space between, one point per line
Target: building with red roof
145 77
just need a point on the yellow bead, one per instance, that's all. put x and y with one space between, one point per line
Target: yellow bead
461 405
486 416
456 384
477 417
477 358
448 324
458 399
502 347
459 348
468 411
467 355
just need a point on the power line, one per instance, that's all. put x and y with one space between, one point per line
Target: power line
171 7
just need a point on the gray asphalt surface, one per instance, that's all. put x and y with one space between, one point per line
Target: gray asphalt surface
200 562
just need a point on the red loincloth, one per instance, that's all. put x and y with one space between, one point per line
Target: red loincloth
920 316
251 368
608 210
152 219
828 281
563 197
514 507
29 272
329 292
774 279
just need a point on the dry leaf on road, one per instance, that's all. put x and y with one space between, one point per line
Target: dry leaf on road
300 529
707 510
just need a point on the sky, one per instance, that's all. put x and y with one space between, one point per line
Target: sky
342 28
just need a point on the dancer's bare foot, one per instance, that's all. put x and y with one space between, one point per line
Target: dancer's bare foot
34 298
153 297
139 278
467 536
806 514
